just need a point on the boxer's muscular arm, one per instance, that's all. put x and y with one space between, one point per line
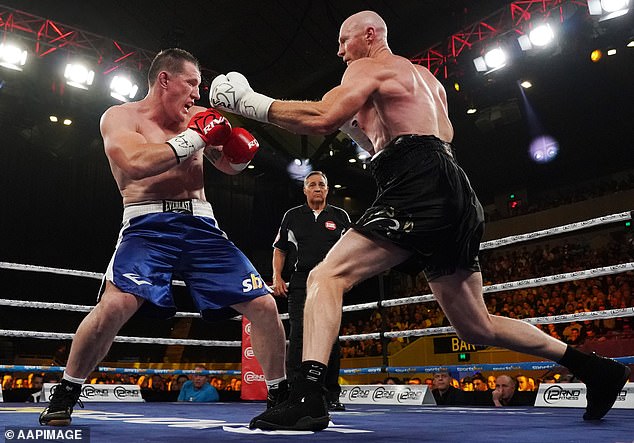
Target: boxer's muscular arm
336 107
129 150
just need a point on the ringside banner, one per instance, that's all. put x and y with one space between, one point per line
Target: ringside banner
126 393
386 395
573 395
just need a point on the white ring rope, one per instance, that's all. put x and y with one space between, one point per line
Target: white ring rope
122 339
556 230
71 272
519 284
606 219
564 318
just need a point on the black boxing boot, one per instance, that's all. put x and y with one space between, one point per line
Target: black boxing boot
63 398
306 408
277 394
604 379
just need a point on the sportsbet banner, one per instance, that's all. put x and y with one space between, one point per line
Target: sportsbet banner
127 393
386 395
573 395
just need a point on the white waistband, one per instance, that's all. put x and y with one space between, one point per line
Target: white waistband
195 207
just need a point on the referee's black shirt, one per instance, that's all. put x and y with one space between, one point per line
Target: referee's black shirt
311 237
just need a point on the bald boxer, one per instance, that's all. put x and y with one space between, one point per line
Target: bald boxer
425 215
155 148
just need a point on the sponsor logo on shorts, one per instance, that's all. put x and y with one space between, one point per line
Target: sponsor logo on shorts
178 206
330 225
248 353
252 377
247 328
251 283
136 278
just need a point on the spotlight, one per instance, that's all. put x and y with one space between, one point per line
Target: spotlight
79 76
492 60
539 37
611 51
608 9
352 160
544 149
53 118
122 88
472 111
12 56
495 58
67 122
630 44
298 169
250 167
526 84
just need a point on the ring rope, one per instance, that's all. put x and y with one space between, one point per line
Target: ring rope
519 284
60 271
527 366
564 318
121 339
31 368
612 218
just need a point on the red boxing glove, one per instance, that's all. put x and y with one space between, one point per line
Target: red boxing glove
240 148
212 127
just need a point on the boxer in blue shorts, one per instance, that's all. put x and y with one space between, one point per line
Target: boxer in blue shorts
425 211
156 148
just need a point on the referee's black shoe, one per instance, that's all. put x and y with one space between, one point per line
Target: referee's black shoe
305 411
63 398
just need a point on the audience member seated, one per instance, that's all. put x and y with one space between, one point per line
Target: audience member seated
177 384
506 393
198 389
392 381
37 383
444 393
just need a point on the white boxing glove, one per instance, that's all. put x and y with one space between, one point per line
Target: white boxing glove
351 129
233 93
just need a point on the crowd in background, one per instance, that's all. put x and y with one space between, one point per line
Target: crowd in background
155 387
593 294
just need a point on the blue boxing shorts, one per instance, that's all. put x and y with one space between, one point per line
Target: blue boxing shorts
159 239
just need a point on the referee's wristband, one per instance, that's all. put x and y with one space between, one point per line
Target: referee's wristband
185 144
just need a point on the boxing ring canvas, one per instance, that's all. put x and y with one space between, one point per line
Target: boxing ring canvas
220 422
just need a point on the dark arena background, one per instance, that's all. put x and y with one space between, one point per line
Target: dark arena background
545 137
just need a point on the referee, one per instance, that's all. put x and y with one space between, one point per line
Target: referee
312 229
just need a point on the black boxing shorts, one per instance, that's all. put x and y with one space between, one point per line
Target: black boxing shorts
425 204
